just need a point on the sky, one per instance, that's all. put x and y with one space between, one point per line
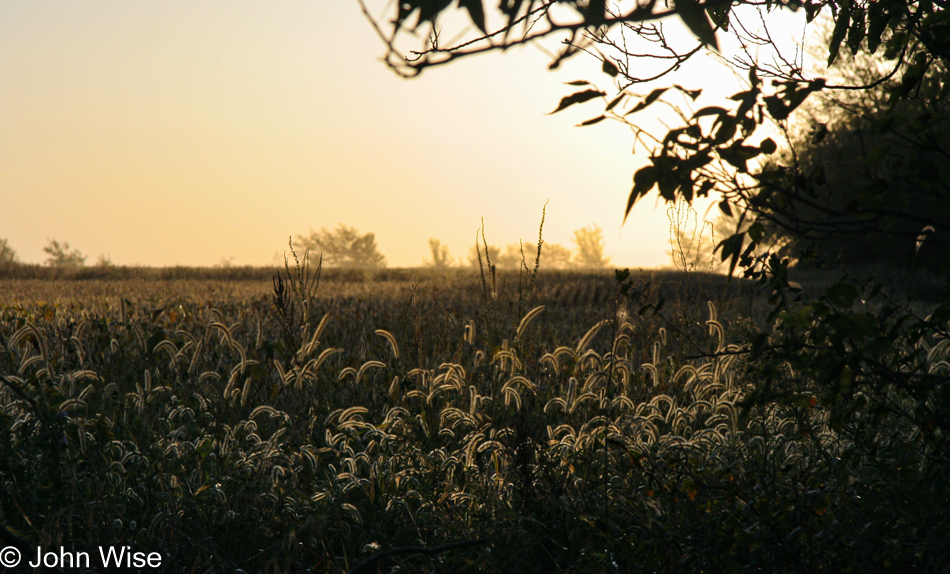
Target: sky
201 132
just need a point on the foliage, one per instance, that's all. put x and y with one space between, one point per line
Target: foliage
590 247
60 256
839 385
881 162
344 247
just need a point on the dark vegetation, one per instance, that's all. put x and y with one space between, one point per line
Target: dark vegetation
450 424
288 426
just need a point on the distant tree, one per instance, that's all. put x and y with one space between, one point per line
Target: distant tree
225 262
553 256
510 257
441 259
590 247
105 260
7 254
62 257
344 247
494 256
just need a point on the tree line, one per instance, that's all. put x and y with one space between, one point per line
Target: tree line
347 248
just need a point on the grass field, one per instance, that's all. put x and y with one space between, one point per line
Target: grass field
413 420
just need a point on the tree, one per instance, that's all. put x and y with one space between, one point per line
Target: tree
859 358
343 247
61 256
105 260
590 247
884 162
712 149
553 255
441 259
7 254
493 256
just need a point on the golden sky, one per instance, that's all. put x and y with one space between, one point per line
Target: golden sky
188 132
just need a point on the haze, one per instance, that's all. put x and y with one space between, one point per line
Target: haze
190 133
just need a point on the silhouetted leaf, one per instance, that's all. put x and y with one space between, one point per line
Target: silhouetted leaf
756 232
727 130
857 30
842 20
725 207
577 98
710 111
719 14
592 121
693 94
615 101
694 16
651 97
579 83
476 12
768 146
596 12
877 23
610 68
731 247
643 182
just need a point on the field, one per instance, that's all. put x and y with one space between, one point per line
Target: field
420 421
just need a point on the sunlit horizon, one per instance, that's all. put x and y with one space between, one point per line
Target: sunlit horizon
198 134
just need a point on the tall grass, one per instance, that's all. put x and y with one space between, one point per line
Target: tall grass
310 429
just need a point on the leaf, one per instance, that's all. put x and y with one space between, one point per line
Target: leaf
895 45
511 8
841 29
776 107
725 207
596 12
857 31
643 182
651 97
719 14
768 146
727 130
731 247
877 23
610 68
578 83
710 111
694 16
756 232
577 98
615 101
693 94
476 12
592 121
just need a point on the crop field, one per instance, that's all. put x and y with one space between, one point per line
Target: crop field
243 420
